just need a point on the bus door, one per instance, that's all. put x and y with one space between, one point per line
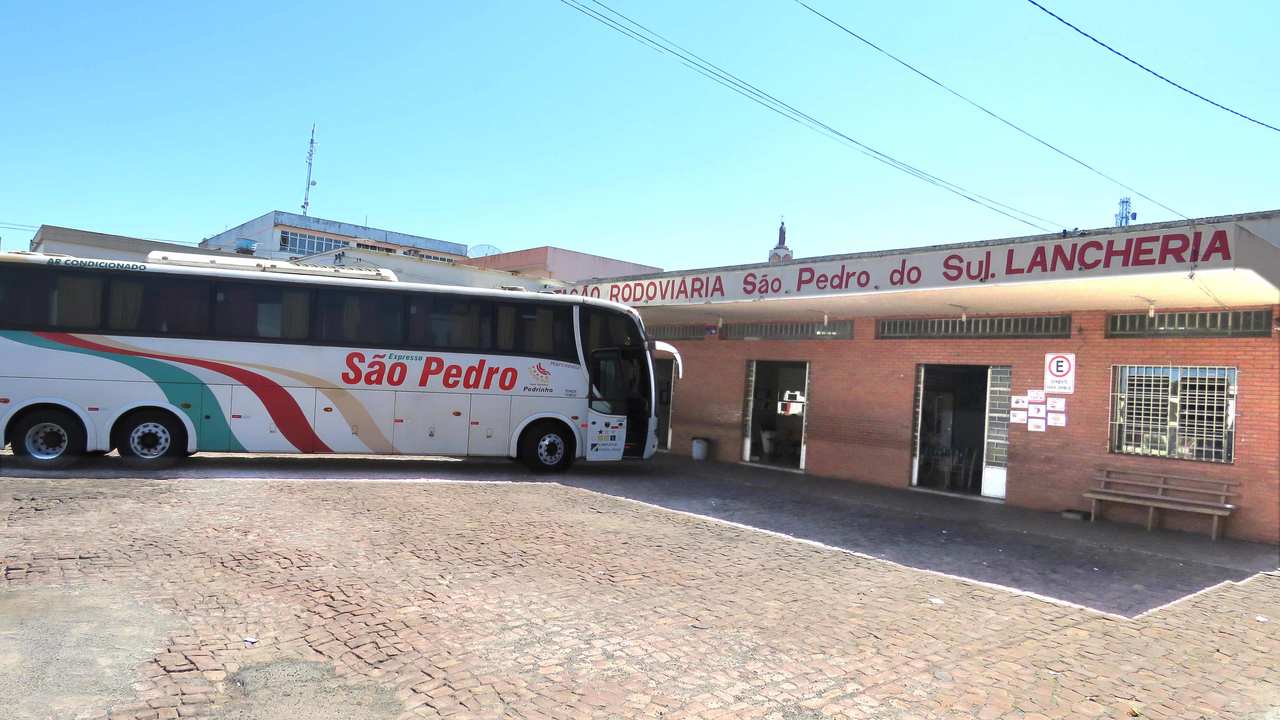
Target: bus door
621 392
618 416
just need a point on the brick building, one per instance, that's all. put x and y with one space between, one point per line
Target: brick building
1009 369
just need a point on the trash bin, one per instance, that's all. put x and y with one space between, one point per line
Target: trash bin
767 440
701 446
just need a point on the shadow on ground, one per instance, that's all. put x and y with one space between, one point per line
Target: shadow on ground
1109 567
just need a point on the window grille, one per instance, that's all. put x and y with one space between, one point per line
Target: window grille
676 332
834 330
1023 326
1225 323
1177 412
308 244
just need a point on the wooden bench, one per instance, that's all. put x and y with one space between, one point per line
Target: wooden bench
1158 491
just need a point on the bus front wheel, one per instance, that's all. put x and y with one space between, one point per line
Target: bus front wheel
47 438
547 446
150 439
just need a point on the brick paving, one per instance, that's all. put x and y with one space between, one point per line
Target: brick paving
542 601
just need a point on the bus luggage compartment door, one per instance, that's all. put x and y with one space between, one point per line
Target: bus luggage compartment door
429 423
606 436
490 425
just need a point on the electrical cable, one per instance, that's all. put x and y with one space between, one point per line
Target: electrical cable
773 103
989 112
660 44
1183 88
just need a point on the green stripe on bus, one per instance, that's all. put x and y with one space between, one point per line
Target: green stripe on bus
162 374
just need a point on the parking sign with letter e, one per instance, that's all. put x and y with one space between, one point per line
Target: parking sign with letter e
1060 373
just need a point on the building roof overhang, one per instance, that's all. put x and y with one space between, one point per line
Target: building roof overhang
1231 261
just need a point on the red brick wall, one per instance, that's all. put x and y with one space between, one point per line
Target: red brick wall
860 412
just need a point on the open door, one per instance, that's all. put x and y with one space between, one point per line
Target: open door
607 411
776 411
960 433
996 458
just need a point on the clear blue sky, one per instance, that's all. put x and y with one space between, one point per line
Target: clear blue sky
521 122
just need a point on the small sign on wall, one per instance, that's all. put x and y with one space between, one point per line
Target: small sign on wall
1036 395
1035 424
1057 419
1056 404
1018 417
1060 373
1036 411
1018 401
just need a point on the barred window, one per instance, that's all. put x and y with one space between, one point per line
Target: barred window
831 330
677 332
1178 412
1218 323
1019 326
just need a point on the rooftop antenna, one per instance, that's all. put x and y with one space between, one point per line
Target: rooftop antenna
311 156
1125 214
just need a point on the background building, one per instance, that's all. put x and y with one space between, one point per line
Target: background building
560 264
409 268
55 240
282 235
314 241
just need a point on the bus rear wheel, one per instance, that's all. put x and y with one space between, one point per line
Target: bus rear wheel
49 439
547 446
150 439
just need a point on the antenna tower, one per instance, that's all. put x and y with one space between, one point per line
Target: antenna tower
311 156
1125 214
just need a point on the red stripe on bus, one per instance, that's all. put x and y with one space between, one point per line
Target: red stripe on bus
280 405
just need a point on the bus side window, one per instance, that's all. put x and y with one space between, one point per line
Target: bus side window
261 312
76 302
24 297
536 329
359 318
447 322
159 305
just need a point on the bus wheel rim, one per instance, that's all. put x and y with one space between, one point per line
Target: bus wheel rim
550 449
46 441
150 440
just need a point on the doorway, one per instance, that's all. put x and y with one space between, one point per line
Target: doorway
953 410
664 379
961 429
776 405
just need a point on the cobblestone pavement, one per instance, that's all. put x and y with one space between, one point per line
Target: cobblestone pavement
494 600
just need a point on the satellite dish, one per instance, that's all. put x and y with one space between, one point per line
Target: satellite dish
478 251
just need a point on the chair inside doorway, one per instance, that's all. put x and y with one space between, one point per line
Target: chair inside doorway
953 413
779 399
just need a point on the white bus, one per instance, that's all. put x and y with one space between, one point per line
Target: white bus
190 353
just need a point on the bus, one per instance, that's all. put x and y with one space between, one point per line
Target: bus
187 353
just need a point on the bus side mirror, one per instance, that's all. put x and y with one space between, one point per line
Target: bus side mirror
659 346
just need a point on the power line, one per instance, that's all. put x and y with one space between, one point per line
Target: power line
655 41
708 69
1183 88
984 109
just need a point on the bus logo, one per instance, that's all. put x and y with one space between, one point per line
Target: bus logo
541 375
